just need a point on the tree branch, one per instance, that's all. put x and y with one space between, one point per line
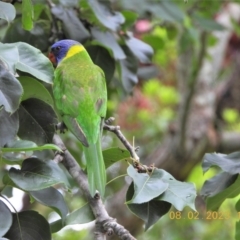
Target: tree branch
105 225
116 130
183 118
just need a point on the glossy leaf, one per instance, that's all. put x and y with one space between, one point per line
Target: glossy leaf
27 14
217 184
9 55
179 194
113 155
37 121
140 49
108 40
146 186
29 225
227 162
34 89
73 27
27 58
37 174
5 218
150 212
7 11
9 124
104 14
214 202
103 59
79 216
128 69
31 60
52 198
10 90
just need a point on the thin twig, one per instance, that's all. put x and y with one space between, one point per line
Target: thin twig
96 204
116 130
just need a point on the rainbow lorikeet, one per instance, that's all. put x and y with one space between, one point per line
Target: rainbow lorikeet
80 94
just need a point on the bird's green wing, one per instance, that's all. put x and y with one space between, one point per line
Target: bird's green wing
81 98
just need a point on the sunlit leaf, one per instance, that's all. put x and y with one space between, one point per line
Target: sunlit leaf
7 11
27 14
227 162
146 186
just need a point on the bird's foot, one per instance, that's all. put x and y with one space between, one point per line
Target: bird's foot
61 127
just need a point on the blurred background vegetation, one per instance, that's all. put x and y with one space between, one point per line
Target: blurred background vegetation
183 104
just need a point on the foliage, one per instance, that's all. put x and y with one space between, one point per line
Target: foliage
28 118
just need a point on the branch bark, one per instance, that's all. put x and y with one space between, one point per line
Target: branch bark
105 225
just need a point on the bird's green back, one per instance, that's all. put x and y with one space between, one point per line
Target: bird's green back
80 93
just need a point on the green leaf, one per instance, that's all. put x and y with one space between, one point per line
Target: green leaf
140 49
28 59
37 37
37 174
10 157
31 60
103 59
9 124
150 212
108 40
79 216
103 13
128 70
5 218
29 225
146 186
217 184
37 121
130 18
27 14
52 198
214 202
34 89
179 194
207 24
113 155
7 11
10 90
237 232
227 162
33 148
9 55
73 27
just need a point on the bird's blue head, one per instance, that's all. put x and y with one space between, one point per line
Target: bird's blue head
60 49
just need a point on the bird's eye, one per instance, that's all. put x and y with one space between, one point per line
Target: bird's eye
58 48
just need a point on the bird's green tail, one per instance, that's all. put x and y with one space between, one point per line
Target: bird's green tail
95 168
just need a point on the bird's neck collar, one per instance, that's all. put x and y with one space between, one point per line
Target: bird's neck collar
74 50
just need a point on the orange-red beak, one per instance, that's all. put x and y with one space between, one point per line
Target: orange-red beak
52 58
